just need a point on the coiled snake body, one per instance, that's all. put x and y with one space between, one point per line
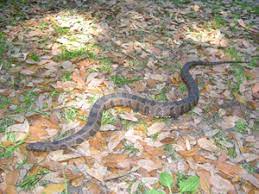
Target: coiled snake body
137 103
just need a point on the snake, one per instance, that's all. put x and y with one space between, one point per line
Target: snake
140 104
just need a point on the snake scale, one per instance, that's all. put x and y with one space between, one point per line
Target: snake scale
137 103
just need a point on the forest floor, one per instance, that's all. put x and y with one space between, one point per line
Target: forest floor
57 58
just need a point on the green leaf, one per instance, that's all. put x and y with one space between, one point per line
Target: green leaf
191 184
166 179
154 191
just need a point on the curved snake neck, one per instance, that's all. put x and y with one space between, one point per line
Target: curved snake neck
137 103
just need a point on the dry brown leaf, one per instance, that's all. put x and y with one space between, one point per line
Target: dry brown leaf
229 169
189 153
207 144
220 184
39 129
76 77
255 90
130 116
155 128
204 180
98 142
54 188
153 151
149 165
116 161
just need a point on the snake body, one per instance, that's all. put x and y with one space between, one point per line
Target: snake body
137 103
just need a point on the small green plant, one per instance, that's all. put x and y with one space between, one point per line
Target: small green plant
130 148
3 45
21 164
67 76
7 152
191 184
166 180
60 30
121 80
4 102
43 25
106 65
4 123
182 88
108 118
155 136
27 102
233 53
241 126
72 54
170 152
70 114
218 22
30 181
34 57
254 62
162 95
154 191
231 152
221 140
249 168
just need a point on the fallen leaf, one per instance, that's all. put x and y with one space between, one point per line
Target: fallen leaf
155 128
41 128
208 145
148 165
130 116
54 188
204 180
118 161
20 130
188 153
255 90
220 185
229 169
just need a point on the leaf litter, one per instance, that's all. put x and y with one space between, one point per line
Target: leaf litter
57 62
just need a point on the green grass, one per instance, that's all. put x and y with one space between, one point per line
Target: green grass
3 45
254 62
28 99
106 65
4 123
67 76
162 95
43 25
108 118
249 168
129 148
121 80
241 126
221 140
7 152
60 30
218 22
233 53
70 114
34 57
182 88
72 54
237 70
30 181
231 152
170 152
4 102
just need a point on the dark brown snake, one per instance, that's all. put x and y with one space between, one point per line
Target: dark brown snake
146 106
